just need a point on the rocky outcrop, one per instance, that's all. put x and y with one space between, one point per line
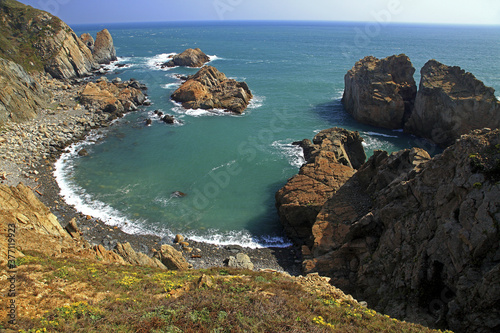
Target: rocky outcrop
241 261
451 102
418 238
210 89
88 40
188 58
113 98
380 92
21 96
136 258
330 160
104 50
171 258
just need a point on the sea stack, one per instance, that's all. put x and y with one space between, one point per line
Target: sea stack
451 102
380 92
104 50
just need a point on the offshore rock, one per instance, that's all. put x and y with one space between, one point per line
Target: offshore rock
21 96
451 102
380 92
425 247
210 89
188 58
330 161
104 50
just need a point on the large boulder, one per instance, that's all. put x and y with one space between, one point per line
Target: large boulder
380 92
132 257
426 247
188 58
172 258
104 49
328 167
451 102
21 96
38 40
210 89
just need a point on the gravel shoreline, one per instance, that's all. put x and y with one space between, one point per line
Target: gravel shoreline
29 150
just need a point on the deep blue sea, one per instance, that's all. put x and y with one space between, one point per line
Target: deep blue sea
231 166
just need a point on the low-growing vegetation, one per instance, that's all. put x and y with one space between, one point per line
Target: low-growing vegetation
88 296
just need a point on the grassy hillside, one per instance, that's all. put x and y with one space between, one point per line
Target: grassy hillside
22 32
69 295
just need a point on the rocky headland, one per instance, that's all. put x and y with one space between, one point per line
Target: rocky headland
188 58
416 237
210 89
449 103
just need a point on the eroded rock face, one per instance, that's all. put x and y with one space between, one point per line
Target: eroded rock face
188 58
88 40
104 49
380 92
328 167
451 102
172 258
425 247
210 89
112 97
21 96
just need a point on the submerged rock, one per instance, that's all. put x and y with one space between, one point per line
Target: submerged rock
451 102
211 89
380 92
188 58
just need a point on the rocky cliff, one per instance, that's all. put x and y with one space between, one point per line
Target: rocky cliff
330 158
418 238
40 41
380 92
188 58
21 96
210 89
451 102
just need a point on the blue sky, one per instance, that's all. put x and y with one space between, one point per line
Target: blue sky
394 11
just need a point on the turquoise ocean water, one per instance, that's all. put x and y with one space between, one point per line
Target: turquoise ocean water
231 166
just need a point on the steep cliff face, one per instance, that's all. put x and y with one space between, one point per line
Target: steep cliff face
418 238
20 95
451 102
330 158
380 92
40 41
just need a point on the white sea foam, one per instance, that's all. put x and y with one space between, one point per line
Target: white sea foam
256 102
214 57
227 165
156 61
242 238
293 153
173 85
380 134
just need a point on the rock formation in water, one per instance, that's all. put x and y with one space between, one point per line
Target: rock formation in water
188 58
380 92
417 238
104 50
112 97
21 96
451 102
210 89
330 160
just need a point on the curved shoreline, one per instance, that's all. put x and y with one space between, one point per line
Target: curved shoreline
30 150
